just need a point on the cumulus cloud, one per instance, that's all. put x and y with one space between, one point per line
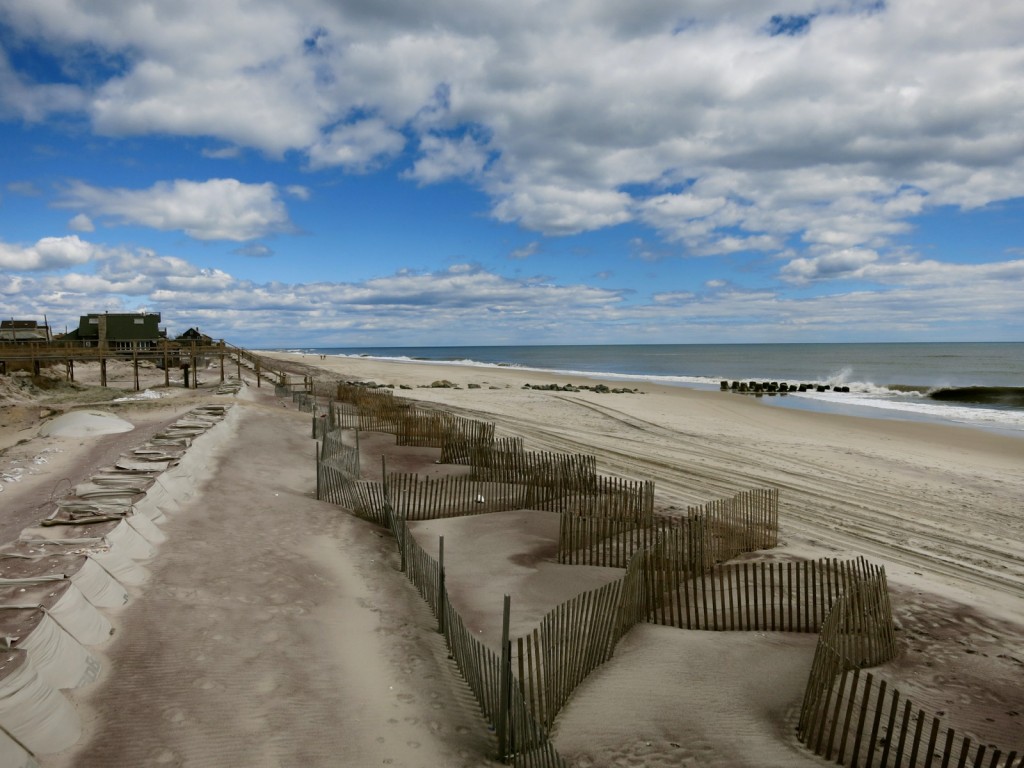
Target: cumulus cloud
357 146
217 209
443 158
725 126
47 253
33 102
849 262
562 211
63 277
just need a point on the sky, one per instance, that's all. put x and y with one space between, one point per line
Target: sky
463 172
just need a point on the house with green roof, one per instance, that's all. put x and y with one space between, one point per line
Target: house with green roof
119 332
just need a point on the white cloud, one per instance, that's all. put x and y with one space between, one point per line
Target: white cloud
217 209
528 250
255 250
48 253
849 262
222 153
442 158
689 118
559 210
32 102
81 223
357 146
63 277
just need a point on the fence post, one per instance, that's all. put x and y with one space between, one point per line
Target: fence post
440 585
318 470
505 685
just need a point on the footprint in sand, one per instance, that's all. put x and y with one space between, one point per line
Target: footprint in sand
165 757
174 715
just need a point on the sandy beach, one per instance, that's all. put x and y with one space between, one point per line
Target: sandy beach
274 629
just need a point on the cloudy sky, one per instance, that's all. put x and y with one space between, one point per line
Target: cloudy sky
424 172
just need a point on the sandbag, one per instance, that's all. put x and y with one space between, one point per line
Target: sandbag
32 711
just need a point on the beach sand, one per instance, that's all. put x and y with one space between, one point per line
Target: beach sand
277 630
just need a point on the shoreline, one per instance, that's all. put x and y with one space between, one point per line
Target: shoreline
519 375
900 403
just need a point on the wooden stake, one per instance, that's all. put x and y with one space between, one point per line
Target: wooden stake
505 685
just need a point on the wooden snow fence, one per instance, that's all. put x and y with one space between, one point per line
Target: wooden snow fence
790 596
539 467
304 400
713 533
864 721
337 416
487 673
856 718
746 522
379 410
359 395
575 638
455 435
413 497
479 453
338 479
468 435
343 457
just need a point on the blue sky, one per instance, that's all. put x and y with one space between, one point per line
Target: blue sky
358 172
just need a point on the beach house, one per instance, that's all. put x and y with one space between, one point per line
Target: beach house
118 332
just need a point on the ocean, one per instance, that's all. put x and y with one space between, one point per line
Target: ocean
968 383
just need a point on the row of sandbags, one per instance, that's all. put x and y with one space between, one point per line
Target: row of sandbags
56 579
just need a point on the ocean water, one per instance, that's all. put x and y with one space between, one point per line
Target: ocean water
970 383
